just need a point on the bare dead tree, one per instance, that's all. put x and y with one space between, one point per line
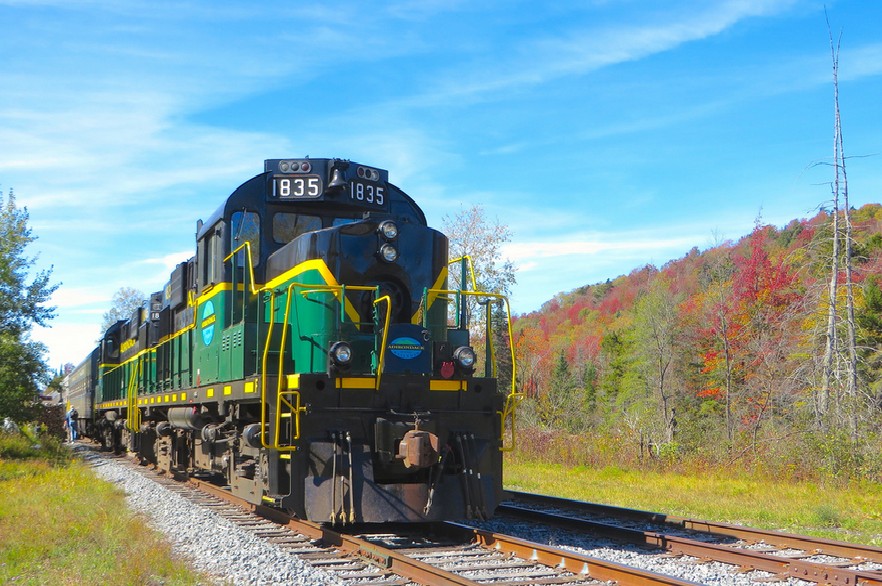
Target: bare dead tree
831 338
840 188
852 383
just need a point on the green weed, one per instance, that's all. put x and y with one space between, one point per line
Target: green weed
827 516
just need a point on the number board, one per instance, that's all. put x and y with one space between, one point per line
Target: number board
298 187
367 194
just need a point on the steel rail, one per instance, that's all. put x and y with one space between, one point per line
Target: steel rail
572 562
419 572
777 538
751 560
424 573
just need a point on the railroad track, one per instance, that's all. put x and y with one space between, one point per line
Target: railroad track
440 553
450 553
400 555
785 555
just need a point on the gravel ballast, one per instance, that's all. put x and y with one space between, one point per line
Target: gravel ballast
216 546
211 544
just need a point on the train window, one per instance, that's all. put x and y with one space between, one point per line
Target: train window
245 227
288 226
111 352
211 255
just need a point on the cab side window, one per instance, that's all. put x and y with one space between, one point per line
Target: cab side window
211 257
245 227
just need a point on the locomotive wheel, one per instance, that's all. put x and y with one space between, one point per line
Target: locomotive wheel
107 439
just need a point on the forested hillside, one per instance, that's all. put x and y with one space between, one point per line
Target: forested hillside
729 356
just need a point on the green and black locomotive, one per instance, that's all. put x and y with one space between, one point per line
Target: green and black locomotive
311 354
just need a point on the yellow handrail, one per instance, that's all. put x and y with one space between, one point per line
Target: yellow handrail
508 412
279 393
133 417
508 320
513 397
247 246
296 408
468 260
339 292
263 369
382 358
335 289
295 411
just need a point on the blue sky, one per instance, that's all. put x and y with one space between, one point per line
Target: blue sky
606 134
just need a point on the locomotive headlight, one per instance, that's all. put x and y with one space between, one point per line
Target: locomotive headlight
341 353
389 230
388 253
464 357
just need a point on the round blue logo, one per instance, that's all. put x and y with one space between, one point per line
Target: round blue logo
405 348
208 319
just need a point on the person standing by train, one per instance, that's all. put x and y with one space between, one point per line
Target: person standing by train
72 417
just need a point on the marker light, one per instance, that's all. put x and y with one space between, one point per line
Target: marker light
368 173
294 166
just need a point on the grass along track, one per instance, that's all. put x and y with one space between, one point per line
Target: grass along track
31 487
55 515
816 560
664 522
850 513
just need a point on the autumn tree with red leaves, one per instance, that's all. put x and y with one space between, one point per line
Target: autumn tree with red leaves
727 338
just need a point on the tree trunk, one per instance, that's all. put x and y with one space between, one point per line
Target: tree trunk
851 384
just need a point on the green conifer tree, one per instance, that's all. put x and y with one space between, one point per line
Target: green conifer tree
24 299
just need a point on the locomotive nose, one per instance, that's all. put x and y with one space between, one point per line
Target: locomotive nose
399 300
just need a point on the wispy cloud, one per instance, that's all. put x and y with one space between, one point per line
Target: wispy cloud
80 297
578 50
622 245
564 264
